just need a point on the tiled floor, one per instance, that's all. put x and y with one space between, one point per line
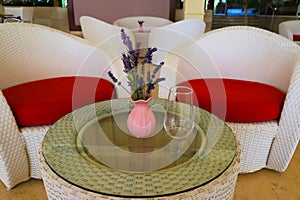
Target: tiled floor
261 185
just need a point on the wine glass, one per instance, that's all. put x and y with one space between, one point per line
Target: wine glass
179 116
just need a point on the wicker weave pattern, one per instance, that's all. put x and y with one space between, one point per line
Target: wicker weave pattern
33 137
38 52
256 140
248 53
221 188
13 159
32 52
288 135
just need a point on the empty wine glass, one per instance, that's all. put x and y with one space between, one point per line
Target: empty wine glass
179 116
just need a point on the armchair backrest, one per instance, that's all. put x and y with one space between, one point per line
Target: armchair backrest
238 52
32 52
149 21
27 14
166 38
105 35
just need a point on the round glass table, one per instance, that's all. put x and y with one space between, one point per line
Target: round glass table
91 152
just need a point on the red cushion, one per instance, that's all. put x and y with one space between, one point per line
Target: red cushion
45 101
245 101
296 37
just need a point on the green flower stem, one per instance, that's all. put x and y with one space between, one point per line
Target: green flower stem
135 81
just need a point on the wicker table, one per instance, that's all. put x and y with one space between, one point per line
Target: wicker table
76 164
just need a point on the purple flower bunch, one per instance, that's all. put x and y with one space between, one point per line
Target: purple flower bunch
140 22
142 77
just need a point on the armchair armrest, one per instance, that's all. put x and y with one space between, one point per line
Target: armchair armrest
14 167
286 32
5 15
287 138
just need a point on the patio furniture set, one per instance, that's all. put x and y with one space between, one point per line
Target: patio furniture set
39 136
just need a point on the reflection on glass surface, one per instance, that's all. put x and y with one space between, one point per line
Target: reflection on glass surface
103 142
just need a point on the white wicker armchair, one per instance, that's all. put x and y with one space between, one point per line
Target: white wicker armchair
289 29
32 52
252 54
167 38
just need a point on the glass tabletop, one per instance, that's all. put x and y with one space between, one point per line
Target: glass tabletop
103 138
92 149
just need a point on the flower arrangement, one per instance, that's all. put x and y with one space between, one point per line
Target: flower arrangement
141 22
141 79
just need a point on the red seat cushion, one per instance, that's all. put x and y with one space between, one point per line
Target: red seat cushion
45 101
245 101
296 37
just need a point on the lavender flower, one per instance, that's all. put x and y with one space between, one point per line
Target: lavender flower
141 81
114 79
158 80
148 56
141 22
126 40
157 68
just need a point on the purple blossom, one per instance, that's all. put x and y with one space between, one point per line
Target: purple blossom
157 68
150 87
140 80
149 80
141 22
148 56
114 79
126 40
127 63
138 46
158 80
123 36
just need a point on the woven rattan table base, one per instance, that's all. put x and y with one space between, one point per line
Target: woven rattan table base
221 188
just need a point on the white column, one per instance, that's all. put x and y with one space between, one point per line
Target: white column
194 9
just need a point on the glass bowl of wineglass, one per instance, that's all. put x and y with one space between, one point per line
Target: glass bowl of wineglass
179 115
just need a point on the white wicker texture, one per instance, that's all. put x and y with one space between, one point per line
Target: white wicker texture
222 188
13 159
168 37
32 52
288 28
33 137
108 40
247 53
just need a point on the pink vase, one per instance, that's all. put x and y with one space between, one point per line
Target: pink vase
141 28
141 121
